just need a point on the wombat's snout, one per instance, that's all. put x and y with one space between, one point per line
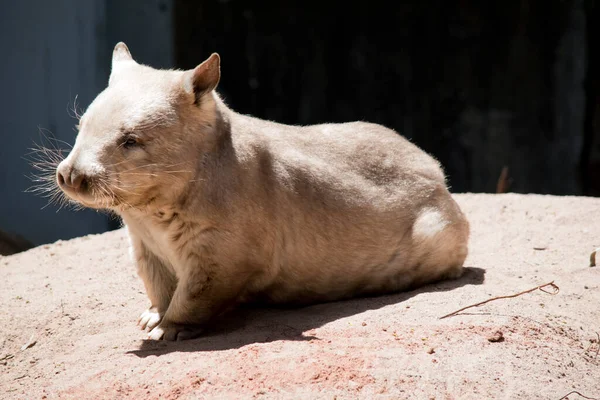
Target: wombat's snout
70 178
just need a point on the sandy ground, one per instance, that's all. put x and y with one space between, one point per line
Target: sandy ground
75 303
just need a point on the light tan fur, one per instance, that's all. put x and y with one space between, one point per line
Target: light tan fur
222 207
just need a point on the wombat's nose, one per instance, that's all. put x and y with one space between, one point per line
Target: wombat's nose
70 177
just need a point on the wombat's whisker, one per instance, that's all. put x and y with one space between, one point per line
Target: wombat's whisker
75 112
161 166
44 158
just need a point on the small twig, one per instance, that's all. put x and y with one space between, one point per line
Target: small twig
540 287
503 181
576 392
30 343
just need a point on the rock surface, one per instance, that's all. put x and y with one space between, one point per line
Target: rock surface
68 325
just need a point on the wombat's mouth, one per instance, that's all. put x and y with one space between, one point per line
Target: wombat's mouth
87 198
88 190
88 193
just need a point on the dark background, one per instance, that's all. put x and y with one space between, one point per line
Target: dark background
482 86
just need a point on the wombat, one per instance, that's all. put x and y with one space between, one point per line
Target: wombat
222 208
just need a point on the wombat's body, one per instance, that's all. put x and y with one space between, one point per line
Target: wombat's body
222 208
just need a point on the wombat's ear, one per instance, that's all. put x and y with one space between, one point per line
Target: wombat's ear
204 78
121 56
121 52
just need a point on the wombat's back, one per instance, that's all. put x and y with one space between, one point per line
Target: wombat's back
355 208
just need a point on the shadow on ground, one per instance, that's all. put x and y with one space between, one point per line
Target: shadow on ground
251 324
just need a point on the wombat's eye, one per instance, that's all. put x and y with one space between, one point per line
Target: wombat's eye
130 142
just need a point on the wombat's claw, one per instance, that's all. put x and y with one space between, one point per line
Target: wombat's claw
174 332
149 319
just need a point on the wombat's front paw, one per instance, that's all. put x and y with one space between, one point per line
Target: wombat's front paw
149 318
174 332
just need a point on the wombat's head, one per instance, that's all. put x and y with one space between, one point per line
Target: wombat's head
139 140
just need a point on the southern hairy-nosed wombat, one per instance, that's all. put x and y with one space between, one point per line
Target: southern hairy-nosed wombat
222 207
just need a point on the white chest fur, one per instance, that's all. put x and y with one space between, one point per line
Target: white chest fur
155 236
